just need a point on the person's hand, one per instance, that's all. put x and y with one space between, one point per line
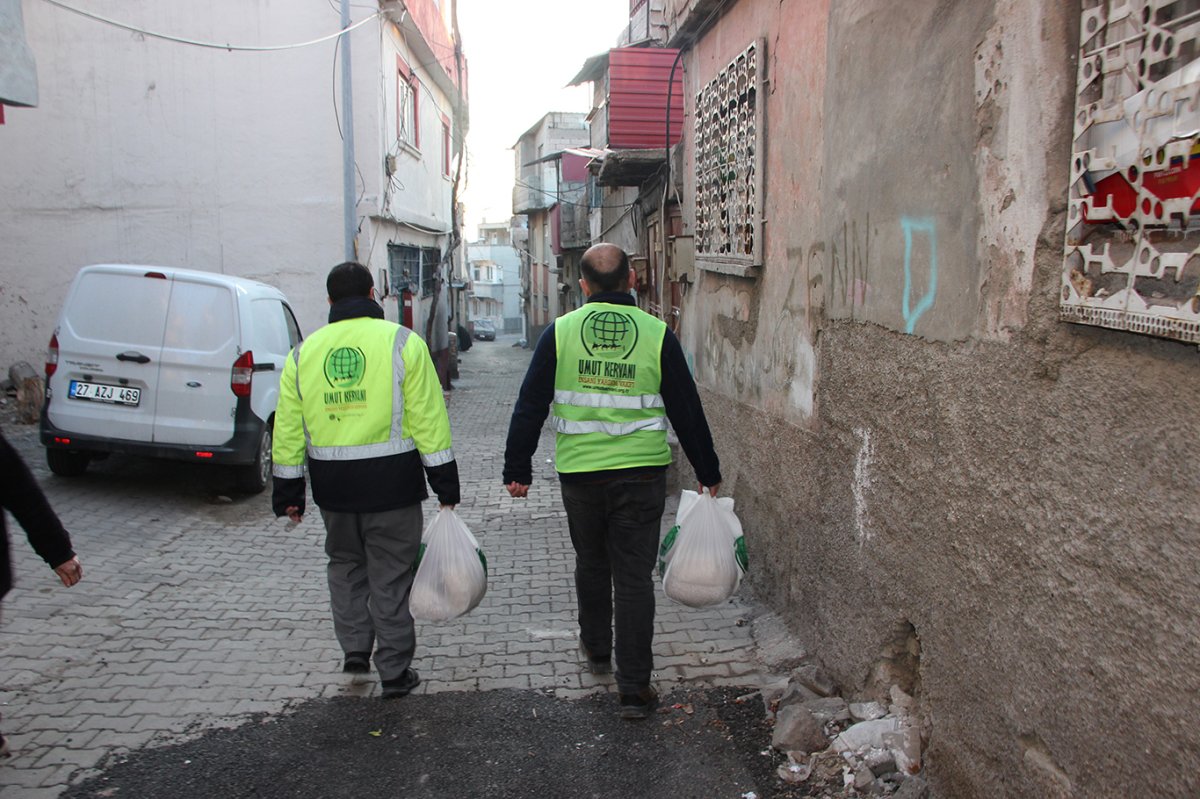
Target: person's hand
444 506
70 572
518 490
712 489
295 514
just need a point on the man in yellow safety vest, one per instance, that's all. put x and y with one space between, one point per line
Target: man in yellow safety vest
615 376
360 402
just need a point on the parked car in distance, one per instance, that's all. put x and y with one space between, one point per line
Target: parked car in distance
167 363
485 330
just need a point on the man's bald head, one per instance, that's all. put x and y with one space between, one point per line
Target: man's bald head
605 267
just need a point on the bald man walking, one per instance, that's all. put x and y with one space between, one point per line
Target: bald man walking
615 375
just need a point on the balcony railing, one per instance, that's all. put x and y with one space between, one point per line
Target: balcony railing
575 229
530 195
487 290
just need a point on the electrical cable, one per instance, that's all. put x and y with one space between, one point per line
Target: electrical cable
212 45
568 202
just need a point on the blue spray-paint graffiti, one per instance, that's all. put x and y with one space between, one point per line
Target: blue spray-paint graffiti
929 228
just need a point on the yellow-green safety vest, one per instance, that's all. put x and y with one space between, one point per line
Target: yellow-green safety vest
608 412
343 396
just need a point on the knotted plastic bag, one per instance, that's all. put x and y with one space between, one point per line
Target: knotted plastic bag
451 574
703 557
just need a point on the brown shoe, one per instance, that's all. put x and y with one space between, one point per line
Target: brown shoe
635 707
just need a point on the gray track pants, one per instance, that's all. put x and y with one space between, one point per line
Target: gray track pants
370 574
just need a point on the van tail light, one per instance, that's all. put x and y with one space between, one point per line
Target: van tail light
242 374
52 356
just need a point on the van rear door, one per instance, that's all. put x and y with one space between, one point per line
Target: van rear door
110 343
194 403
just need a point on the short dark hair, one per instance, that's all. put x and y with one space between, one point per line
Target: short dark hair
349 279
605 267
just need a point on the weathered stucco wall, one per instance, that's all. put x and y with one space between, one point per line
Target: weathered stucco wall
1013 495
753 339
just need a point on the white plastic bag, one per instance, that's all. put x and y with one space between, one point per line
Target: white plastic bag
703 557
451 574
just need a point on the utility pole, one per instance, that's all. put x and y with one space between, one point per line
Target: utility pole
349 211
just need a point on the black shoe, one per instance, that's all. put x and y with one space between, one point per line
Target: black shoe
402 685
640 705
357 663
596 664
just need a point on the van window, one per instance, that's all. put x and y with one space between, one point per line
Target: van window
108 306
201 317
294 334
270 329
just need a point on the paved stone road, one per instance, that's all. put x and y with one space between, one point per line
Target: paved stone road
197 610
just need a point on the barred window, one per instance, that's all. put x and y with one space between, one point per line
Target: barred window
404 267
431 258
728 166
410 267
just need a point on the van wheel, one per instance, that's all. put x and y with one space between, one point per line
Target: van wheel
65 463
252 479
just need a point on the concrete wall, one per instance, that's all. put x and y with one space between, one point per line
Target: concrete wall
147 151
1005 495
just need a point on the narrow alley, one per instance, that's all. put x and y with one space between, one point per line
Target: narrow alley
197 658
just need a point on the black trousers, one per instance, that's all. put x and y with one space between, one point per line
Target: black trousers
615 527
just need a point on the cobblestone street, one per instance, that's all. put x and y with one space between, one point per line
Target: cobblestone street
198 608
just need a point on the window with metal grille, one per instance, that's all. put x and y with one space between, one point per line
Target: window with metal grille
728 157
410 267
404 267
431 258
1132 255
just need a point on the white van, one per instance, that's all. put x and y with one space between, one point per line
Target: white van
170 363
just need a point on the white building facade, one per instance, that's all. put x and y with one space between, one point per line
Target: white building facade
145 150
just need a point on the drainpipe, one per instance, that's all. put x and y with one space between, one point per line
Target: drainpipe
349 210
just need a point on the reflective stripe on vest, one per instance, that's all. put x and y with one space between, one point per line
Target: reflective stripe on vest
608 428
583 400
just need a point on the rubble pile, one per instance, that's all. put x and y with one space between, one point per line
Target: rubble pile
866 748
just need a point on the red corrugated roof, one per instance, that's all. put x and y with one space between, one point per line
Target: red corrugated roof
637 97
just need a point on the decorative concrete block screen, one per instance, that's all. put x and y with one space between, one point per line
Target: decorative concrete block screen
1132 259
728 162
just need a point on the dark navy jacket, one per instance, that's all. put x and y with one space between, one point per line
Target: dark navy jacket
21 496
679 395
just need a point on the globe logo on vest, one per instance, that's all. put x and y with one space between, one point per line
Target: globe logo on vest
609 334
345 366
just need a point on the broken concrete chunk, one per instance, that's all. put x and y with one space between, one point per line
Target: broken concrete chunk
912 788
771 692
797 729
866 711
815 679
866 735
863 777
796 693
905 745
832 708
793 771
880 761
